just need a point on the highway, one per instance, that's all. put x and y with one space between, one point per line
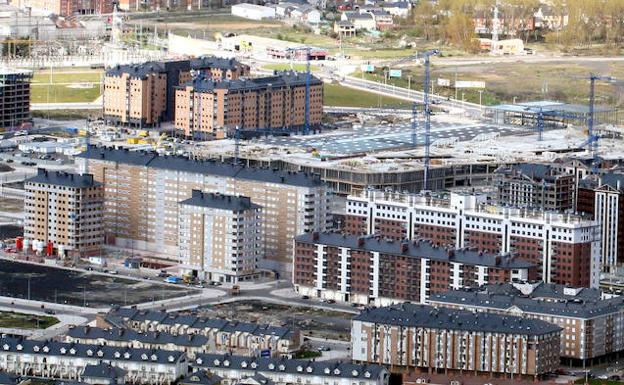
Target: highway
472 109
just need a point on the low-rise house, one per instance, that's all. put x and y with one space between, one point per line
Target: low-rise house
224 336
361 21
383 19
191 344
344 28
50 359
397 8
103 374
239 370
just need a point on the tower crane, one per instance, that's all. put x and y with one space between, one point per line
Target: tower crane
592 139
542 114
426 104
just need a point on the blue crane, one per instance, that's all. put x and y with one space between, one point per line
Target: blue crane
542 114
592 139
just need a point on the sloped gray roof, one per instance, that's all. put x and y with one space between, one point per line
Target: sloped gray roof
302 367
62 178
448 319
205 167
220 201
12 344
415 249
584 305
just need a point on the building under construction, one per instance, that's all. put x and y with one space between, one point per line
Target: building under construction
14 97
555 114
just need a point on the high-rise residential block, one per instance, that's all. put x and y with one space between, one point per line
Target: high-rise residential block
14 97
64 211
368 270
143 191
565 247
143 94
220 236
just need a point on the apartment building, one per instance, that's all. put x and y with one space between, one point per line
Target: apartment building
565 247
411 336
282 371
64 211
535 186
14 97
592 323
368 270
66 8
223 336
143 191
189 344
602 197
270 103
142 95
68 361
220 237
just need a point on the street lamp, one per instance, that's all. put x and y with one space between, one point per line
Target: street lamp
480 95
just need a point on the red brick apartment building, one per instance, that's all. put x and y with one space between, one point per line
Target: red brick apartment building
143 94
602 197
368 270
565 248
272 103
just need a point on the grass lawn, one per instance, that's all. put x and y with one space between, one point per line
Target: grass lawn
63 94
296 67
25 321
60 91
61 76
337 95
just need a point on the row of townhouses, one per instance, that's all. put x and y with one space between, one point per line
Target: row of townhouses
96 364
225 336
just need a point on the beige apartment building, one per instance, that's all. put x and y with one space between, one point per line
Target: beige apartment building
272 103
143 94
143 191
411 336
220 236
64 211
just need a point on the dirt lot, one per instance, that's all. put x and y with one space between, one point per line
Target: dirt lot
77 288
311 322
11 205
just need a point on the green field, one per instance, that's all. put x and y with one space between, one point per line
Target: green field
25 321
62 76
59 86
63 94
337 95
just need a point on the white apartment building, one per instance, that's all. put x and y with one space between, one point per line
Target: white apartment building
281 371
220 236
63 211
565 247
50 359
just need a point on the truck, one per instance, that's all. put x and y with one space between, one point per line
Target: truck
174 280
235 290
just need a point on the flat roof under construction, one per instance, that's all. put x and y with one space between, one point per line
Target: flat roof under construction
383 138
